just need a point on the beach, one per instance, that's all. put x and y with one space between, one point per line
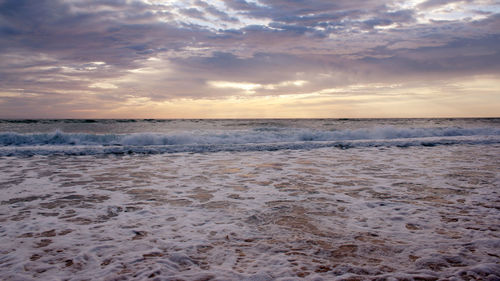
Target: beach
354 203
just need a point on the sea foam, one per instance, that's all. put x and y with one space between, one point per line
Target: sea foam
371 213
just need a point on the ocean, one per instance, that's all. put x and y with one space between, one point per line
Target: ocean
250 199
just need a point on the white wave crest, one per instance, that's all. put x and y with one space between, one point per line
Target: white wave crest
269 135
237 140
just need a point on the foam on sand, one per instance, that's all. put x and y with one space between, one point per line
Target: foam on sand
367 213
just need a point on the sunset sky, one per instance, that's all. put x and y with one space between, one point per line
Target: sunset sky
249 58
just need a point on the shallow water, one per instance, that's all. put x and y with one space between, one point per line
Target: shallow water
365 213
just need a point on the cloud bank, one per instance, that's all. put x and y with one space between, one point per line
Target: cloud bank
167 59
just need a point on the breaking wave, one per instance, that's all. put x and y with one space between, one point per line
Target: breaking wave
265 138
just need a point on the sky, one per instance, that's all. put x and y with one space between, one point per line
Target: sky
249 58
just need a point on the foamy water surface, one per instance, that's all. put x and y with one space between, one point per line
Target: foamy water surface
373 213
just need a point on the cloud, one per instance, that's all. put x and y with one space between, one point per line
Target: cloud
436 3
214 11
193 13
65 52
250 88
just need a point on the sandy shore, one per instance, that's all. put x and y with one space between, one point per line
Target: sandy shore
412 213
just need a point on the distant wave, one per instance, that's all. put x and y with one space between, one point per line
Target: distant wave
266 138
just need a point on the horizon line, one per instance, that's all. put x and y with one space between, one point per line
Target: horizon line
253 118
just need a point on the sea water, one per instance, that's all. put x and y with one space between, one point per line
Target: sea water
265 199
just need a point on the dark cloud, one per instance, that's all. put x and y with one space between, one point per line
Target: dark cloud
118 36
459 57
193 13
286 10
401 16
